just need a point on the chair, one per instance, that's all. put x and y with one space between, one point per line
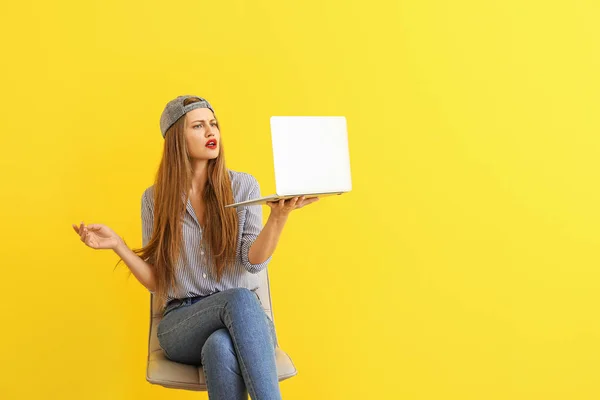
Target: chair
162 371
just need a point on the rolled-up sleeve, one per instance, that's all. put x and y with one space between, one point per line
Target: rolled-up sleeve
147 221
251 228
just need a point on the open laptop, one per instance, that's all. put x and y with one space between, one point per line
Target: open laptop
311 158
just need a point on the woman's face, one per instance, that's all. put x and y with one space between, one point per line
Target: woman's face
202 135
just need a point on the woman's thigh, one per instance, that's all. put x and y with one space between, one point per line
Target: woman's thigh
183 331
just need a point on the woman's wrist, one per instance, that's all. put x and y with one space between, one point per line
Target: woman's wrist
278 219
119 246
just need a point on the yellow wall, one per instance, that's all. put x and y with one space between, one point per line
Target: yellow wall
463 265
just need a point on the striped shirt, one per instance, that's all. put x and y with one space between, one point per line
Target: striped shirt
194 274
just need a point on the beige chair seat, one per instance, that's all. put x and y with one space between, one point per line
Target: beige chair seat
164 372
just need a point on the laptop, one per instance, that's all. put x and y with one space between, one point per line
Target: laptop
311 158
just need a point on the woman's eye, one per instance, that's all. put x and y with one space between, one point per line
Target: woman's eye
214 124
196 126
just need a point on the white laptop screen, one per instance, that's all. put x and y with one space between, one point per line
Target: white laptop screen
311 154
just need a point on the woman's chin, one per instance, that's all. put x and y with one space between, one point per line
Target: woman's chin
211 154
205 157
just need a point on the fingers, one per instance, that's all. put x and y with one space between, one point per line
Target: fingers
299 201
90 227
288 205
89 240
86 234
309 201
304 201
82 230
293 202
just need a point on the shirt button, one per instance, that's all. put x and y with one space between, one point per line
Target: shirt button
204 276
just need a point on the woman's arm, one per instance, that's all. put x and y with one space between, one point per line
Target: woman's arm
143 271
98 236
266 242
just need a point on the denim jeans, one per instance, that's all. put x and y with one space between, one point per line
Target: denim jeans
230 336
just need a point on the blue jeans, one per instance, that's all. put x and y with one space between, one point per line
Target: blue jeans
230 335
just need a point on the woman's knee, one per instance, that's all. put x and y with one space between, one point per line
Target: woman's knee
218 346
243 298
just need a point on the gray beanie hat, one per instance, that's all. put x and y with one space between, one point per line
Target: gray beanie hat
175 110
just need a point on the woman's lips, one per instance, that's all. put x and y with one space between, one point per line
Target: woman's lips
211 144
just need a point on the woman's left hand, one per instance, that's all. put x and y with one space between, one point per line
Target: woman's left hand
282 208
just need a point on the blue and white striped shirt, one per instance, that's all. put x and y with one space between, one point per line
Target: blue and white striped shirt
194 271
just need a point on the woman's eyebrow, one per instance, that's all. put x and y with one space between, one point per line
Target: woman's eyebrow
202 120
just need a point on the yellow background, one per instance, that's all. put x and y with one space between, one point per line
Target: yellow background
464 263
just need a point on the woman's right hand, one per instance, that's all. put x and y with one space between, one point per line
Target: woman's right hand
97 236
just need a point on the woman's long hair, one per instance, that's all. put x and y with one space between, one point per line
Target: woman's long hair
171 192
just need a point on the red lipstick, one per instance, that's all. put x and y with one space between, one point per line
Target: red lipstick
212 144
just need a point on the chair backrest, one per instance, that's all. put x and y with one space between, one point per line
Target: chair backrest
263 291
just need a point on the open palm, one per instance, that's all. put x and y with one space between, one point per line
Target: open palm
97 236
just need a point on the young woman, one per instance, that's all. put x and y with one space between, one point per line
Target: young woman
201 259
